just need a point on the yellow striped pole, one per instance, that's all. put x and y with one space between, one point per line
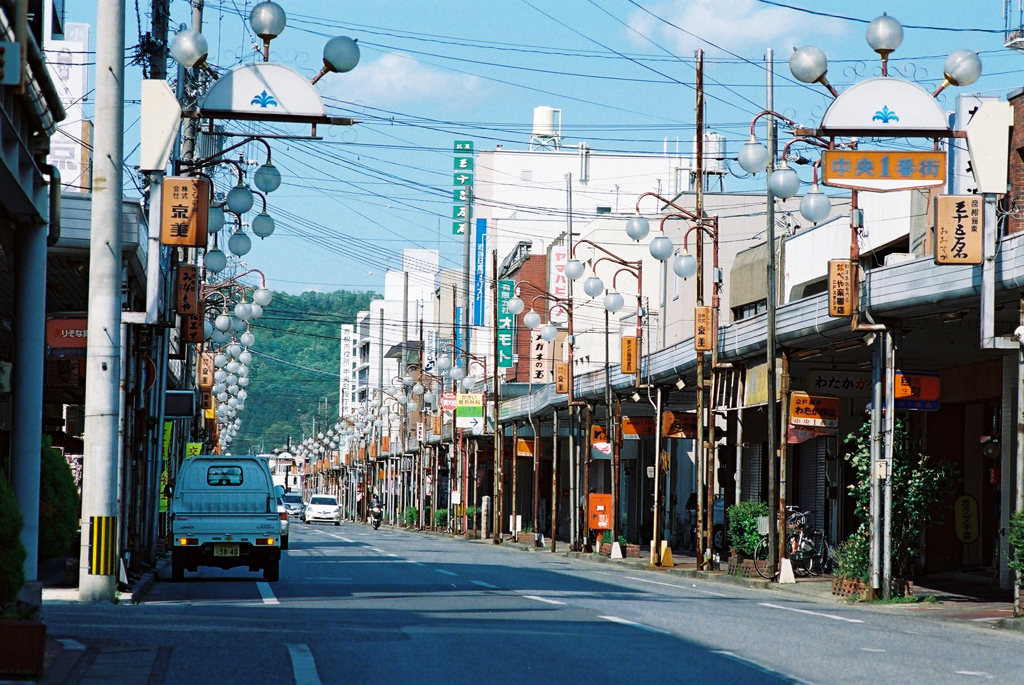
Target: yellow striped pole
102 545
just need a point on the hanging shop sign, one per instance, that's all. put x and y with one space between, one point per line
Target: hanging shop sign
562 378
677 424
67 336
637 428
965 516
185 207
540 358
205 375
187 290
958 229
192 329
704 329
883 170
918 390
628 356
841 287
524 448
841 383
506 323
814 411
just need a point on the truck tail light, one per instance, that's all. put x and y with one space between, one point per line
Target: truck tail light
265 541
188 542
284 515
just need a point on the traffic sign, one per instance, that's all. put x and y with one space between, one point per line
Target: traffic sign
449 401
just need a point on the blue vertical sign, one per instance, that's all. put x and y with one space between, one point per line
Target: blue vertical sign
479 271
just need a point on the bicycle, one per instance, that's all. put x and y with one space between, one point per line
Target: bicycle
808 551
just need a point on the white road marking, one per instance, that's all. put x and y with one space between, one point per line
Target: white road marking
266 593
681 587
979 674
641 626
392 555
483 584
542 599
812 613
447 573
378 550
753 664
343 539
303 665
871 649
71 645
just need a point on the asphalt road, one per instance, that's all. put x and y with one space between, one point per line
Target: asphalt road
358 606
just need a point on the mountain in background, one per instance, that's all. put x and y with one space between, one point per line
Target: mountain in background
295 367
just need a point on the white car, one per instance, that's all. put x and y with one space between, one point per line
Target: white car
283 513
323 508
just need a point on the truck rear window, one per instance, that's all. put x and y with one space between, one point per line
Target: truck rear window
224 475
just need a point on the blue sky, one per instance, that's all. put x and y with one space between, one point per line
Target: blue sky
621 71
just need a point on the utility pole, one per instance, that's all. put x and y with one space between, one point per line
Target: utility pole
97 572
704 511
771 413
499 438
466 245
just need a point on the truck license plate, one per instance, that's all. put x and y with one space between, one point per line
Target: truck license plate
225 550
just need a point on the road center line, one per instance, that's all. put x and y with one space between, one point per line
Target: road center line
483 584
681 587
641 626
378 550
392 555
70 645
303 665
872 649
542 599
812 613
447 573
266 593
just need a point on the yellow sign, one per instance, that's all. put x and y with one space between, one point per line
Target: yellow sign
677 424
205 364
164 476
635 428
703 329
813 411
842 291
958 229
629 354
437 424
184 210
598 434
193 449
524 448
562 377
883 170
965 513
469 400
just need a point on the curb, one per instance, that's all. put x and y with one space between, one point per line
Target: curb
1012 624
145 583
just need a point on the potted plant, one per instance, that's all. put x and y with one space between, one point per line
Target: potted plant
22 631
471 528
412 517
744 536
850 577
441 519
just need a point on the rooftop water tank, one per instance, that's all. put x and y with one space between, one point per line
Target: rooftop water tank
547 127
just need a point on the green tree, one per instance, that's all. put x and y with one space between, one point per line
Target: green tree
58 504
920 484
295 366
12 552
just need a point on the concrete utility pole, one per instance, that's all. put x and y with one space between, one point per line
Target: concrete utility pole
466 250
771 414
97 572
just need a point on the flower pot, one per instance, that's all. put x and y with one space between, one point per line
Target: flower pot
844 587
631 552
605 549
22 646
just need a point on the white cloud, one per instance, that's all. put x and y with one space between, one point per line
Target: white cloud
396 79
745 27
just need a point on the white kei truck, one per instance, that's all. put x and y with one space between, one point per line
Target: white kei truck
223 513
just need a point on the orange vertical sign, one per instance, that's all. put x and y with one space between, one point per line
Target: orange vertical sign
437 424
192 329
842 287
205 364
600 511
385 443
703 329
629 354
562 377
958 229
184 211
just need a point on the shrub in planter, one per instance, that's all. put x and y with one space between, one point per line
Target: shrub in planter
471 516
58 504
853 556
412 516
743 533
441 518
12 552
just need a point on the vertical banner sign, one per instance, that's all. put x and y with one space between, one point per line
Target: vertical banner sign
558 283
506 321
205 364
166 444
185 208
462 196
479 272
540 358
841 293
192 329
958 229
430 350
345 400
562 378
187 290
193 449
69 72
703 329
458 337
628 355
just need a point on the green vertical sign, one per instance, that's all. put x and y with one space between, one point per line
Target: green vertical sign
506 323
462 195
